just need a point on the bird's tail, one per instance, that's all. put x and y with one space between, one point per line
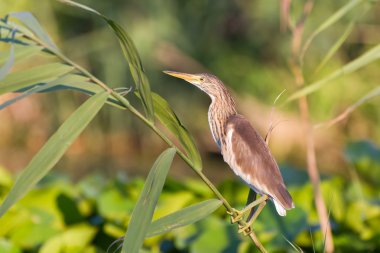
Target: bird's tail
283 201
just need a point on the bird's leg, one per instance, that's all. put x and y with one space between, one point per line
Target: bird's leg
251 197
238 215
246 229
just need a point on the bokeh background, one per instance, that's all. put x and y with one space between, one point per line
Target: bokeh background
242 43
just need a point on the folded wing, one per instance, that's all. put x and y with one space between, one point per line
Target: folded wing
248 155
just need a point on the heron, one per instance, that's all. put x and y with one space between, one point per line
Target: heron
243 149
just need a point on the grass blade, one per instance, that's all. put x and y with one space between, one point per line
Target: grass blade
50 86
370 56
8 63
329 22
135 65
54 149
32 23
40 74
21 53
294 246
169 119
342 38
373 93
73 82
336 46
132 57
144 209
186 216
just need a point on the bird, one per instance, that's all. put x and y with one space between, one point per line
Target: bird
242 148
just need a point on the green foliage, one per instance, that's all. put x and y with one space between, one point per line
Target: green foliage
186 216
54 149
167 117
60 216
63 74
368 57
132 57
144 209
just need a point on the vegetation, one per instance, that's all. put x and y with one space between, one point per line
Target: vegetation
90 216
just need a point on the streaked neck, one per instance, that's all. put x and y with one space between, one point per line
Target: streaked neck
221 108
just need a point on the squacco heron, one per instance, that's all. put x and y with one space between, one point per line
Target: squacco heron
243 149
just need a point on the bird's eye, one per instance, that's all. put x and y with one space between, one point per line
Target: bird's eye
201 79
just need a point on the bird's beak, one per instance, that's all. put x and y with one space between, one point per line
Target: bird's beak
187 77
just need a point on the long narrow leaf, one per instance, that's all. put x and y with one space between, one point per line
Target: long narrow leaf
8 64
62 81
32 23
336 46
21 53
144 209
54 149
40 74
342 38
370 56
330 21
132 57
373 93
169 119
72 82
184 217
135 65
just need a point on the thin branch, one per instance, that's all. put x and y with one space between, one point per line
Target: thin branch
285 15
258 244
375 92
151 125
271 125
298 30
312 168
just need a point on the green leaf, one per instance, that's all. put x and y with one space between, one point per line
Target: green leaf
330 21
135 65
132 57
20 53
144 209
342 38
54 149
368 57
214 235
169 119
40 74
336 46
40 88
8 246
32 23
373 93
186 216
8 64
73 239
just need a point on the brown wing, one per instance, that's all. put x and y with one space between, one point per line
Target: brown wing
248 155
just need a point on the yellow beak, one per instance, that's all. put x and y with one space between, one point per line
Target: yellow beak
187 77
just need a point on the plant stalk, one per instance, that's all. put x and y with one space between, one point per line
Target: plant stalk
312 167
151 125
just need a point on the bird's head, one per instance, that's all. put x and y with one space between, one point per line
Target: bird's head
206 82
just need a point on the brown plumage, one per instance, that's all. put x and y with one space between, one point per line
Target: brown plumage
243 149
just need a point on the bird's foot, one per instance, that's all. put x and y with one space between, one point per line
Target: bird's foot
245 229
237 215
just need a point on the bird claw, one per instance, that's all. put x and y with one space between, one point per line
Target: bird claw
245 229
235 215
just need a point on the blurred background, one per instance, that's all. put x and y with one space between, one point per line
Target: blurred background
241 42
